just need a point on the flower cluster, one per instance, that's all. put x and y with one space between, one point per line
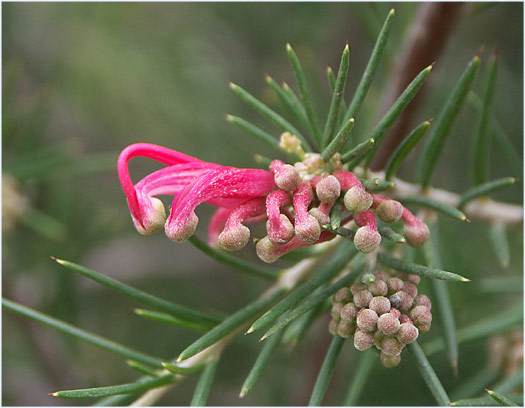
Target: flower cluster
296 200
386 312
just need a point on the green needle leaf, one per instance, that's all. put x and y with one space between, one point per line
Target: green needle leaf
263 272
304 91
269 114
379 132
142 368
338 140
479 157
498 235
202 391
335 214
437 206
485 189
169 319
43 224
443 125
327 369
175 369
344 253
404 149
341 231
336 98
181 312
80 334
231 323
475 382
375 185
359 377
429 375
359 151
263 359
409 267
331 81
129 388
485 401
371 68
501 399
389 233
297 329
255 131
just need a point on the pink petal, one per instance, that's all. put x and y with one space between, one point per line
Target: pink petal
306 227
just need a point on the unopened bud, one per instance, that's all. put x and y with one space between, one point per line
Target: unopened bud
421 315
424 327
380 305
309 230
407 333
233 239
357 199
343 295
395 312
391 346
381 276
266 250
395 300
378 288
328 189
415 279
181 232
406 301
358 287
363 340
390 361
154 218
368 278
366 239
394 285
336 311
286 177
349 312
332 327
416 234
320 216
423 300
362 298
378 338
405 319
389 211
346 328
388 324
367 320
283 233
410 288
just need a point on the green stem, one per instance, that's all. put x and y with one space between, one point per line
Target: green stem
359 377
202 391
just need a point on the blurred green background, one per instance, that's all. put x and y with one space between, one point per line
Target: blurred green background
83 80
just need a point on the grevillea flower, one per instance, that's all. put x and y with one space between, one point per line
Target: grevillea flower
296 200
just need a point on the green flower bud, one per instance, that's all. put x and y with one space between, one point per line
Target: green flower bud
362 298
368 278
366 239
378 288
346 328
410 288
394 285
358 200
389 211
367 320
358 287
391 346
363 340
421 316
343 295
332 327
336 311
422 300
328 189
389 361
349 312
388 324
380 305
407 333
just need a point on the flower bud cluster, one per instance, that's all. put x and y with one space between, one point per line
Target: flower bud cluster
386 312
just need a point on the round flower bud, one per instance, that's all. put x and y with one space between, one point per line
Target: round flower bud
406 301
332 327
405 319
389 211
363 340
381 276
407 333
415 279
410 288
394 285
362 298
328 189
154 217
391 346
346 329
349 312
343 295
308 231
367 320
395 312
233 239
266 250
358 287
378 338
424 327
366 239
421 315
389 361
422 300
336 311
416 234
388 324
380 305
320 216
358 200
378 288
287 178
395 300
181 232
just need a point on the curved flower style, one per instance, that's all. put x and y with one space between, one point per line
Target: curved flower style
297 201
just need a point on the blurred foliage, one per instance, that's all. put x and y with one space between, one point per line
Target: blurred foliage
83 80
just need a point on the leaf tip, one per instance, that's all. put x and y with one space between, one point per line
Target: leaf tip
179 359
288 47
232 85
228 117
243 393
463 279
53 394
58 260
250 330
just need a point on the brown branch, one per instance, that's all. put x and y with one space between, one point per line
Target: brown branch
433 26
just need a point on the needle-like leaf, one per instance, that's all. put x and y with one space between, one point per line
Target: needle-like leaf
358 152
170 319
437 206
501 399
485 189
498 235
359 376
202 391
338 140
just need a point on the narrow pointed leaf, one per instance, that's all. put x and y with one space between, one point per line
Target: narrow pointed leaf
43 224
335 214
263 272
331 81
344 253
435 205
142 368
404 149
81 334
202 391
114 400
169 319
359 377
260 134
359 151
338 140
371 68
498 235
341 231
175 369
336 98
304 91
231 323
429 375
263 359
409 267
269 113
376 185
296 330
264 161
140 296
443 125
379 132
485 189
129 388
474 383
501 399
480 152
390 234
327 369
